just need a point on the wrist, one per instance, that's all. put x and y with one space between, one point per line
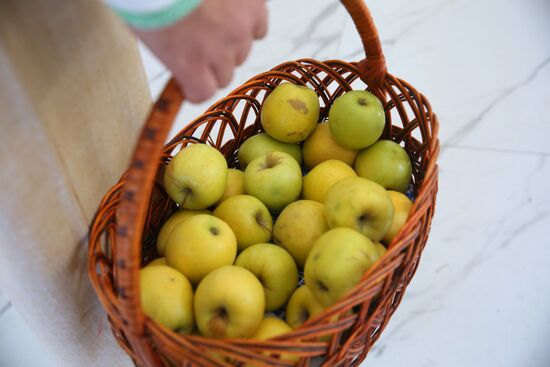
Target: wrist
148 15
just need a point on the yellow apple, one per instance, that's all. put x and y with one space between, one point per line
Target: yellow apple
381 248
167 297
271 327
199 245
158 261
234 185
210 352
387 163
260 144
173 221
320 146
229 303
195 178
275 179
290 113
336 264
356 119
301 306
275 269
402 205
321 178
298 226
360 204
249 219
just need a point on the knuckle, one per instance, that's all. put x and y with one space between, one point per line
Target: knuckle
198 95
239 32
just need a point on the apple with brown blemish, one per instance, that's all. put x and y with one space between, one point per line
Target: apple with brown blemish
290 113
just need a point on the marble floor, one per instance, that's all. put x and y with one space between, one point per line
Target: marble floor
481 296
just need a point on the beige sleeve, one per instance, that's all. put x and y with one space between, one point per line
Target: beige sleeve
73 94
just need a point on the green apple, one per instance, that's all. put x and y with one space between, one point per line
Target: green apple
234 185
337 262
195 178
290 113
322 177
402 206
275 179
173 221
381 248
199 245
320 146
167 297
360 204
356 119
249 219
157 262
229 303
302 306
386 163
275 269
260 144
298 226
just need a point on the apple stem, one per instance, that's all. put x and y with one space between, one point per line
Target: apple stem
186 192
322 286
304 316
218 323
271 161
361 220
259 220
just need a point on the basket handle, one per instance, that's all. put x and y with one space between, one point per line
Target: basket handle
132 213
140 176
373 67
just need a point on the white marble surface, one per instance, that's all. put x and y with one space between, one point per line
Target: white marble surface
481 296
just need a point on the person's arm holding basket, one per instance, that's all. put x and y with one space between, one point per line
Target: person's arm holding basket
201 42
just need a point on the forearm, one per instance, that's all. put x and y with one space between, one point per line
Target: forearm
152 14
200 41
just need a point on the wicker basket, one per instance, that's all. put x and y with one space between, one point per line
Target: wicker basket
123 232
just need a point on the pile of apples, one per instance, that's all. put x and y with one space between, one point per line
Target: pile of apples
317 198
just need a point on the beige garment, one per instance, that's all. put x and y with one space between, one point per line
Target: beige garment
73 94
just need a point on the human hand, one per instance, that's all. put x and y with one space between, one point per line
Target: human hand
203 49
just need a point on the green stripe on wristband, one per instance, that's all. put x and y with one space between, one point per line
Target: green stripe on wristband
159 18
